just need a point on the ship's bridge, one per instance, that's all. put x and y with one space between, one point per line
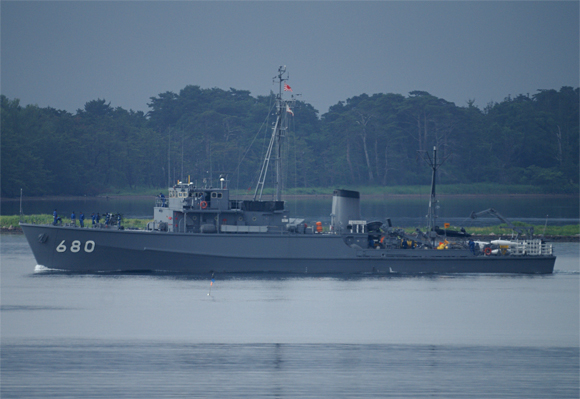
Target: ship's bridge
186 196
210 210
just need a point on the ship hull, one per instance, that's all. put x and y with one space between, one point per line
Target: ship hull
109 250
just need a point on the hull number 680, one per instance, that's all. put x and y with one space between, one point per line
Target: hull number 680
76 246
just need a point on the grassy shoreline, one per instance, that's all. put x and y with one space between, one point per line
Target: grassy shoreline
10 224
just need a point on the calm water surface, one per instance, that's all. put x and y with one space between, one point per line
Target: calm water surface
162 336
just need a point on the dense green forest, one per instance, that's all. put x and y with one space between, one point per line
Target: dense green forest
366 140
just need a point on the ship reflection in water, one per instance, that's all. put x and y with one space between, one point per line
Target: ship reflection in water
152 370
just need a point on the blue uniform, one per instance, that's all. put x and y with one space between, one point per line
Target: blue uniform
73 218
82 219
472 246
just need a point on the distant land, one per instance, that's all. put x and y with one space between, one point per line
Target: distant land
524 144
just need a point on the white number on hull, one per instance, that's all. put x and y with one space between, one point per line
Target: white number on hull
61 247
76 246
90 243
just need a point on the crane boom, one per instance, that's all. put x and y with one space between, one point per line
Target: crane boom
529 231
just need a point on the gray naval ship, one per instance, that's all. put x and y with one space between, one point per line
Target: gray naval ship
201 230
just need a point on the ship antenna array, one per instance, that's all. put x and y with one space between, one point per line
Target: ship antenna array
434 164
275 141
21 205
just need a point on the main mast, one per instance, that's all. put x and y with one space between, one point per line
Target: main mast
276 140
432 211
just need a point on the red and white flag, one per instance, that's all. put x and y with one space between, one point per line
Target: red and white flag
287 88
289 110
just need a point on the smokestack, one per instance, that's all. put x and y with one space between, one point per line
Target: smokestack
345 207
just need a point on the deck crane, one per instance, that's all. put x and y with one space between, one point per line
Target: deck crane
529 231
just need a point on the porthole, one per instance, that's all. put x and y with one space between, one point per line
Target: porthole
240 218
254 219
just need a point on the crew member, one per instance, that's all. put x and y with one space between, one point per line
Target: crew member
472 246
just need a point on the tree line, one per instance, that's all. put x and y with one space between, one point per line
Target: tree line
365 140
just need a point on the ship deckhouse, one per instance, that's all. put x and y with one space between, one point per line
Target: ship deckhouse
191 209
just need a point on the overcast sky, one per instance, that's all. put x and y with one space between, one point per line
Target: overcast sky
63 54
